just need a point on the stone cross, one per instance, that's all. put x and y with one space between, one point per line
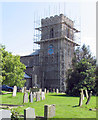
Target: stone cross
37 96
57 91
29 113
14 90
49 111
25 97
31 97
43 95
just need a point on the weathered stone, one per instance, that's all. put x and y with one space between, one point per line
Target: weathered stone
81 98
57 91
23 90
53 90
29 113
47 91
25 97
14 90
37 96
49 111
86 93
5 114
31 97
43 95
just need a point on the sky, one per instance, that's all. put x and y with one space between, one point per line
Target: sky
18 19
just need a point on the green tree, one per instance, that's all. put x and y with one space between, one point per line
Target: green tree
82 73
12 69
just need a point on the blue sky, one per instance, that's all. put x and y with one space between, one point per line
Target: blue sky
17 21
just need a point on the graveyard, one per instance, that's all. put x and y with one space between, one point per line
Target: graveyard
65 106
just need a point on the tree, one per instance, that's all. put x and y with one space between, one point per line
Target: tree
12 69
82 73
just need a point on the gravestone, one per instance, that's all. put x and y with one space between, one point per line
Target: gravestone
14 91
49 111
40 90
34 94
45 90
23 90
31 97
81 98
43 95
37 96
53 90
29 113
5 114
86 93
25 97
89 97
57 91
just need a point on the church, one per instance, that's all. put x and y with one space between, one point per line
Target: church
47 66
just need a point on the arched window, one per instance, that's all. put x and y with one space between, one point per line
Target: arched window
51 33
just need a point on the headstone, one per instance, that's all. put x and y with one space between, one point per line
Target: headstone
31 97
57 91
49 111
43 95
53 90
40 90
34 94
25 97
29 113
5 114
23 90
14 90
86 93
37 96
45 90
89 97
81 98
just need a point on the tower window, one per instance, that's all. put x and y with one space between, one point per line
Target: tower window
51 33
68 32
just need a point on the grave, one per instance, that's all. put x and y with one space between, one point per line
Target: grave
49 111
34 94
25 97
53 90
31 97
23 90
37 96
43 95
14 91
57 91
5 114
45 90
29 113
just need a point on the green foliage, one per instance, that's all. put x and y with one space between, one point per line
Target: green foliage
82 73
12 69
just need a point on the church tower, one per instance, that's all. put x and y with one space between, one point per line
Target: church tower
56 51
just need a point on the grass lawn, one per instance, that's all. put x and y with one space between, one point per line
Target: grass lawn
66 107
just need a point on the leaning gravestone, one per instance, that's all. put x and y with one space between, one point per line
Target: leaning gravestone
37 96
5 114
14 90
29 113
81 98
43 95
25 97
31 97
49 111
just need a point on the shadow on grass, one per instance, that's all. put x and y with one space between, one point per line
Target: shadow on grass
75 106
63 95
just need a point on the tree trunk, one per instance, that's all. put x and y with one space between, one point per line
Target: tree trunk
86 93
81 98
